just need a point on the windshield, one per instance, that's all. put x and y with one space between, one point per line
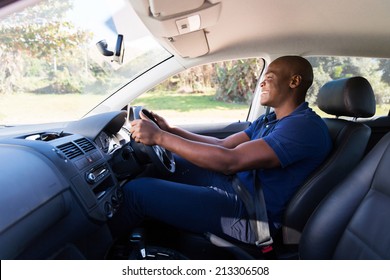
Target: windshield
51 68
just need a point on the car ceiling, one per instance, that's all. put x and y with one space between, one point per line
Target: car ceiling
277 27
248 28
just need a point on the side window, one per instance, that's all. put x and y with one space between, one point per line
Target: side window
376 71
213 93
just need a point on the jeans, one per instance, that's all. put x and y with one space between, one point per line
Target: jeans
192 198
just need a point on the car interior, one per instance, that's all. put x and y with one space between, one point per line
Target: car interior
61 181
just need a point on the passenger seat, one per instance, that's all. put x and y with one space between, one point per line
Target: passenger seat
353 221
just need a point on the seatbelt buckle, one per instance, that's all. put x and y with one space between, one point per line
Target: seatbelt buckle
266 249
265 246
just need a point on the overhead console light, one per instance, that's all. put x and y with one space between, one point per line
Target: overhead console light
188 24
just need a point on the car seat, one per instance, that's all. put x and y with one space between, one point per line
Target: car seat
352 222
350 97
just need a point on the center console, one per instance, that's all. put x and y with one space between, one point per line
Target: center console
92 179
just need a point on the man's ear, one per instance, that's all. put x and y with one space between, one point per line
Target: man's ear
295 81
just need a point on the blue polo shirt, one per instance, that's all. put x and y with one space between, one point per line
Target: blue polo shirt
301 141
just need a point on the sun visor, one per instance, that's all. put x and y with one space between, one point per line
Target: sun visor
192 44
163 8
182 24
186 21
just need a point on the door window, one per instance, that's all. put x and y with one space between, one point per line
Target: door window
213 93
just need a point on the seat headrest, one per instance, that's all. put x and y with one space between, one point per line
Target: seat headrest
350 97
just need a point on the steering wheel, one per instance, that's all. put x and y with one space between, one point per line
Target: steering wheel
160 157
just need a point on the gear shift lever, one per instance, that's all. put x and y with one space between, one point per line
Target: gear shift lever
137 239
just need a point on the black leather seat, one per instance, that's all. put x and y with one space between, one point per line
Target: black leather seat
353 221
351 97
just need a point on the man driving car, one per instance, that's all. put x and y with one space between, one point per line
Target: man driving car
283 148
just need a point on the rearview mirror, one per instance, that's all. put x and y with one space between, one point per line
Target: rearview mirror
118 55
119 50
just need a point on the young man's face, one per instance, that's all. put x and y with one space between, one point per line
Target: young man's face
275 85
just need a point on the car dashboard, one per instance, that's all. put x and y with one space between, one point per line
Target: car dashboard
59 188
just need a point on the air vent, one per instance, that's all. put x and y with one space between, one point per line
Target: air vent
70 150
85 145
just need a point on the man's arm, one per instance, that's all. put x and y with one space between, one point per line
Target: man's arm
248 155
228 142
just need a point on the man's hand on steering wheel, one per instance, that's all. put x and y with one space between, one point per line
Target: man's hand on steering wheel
161 122
145 130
